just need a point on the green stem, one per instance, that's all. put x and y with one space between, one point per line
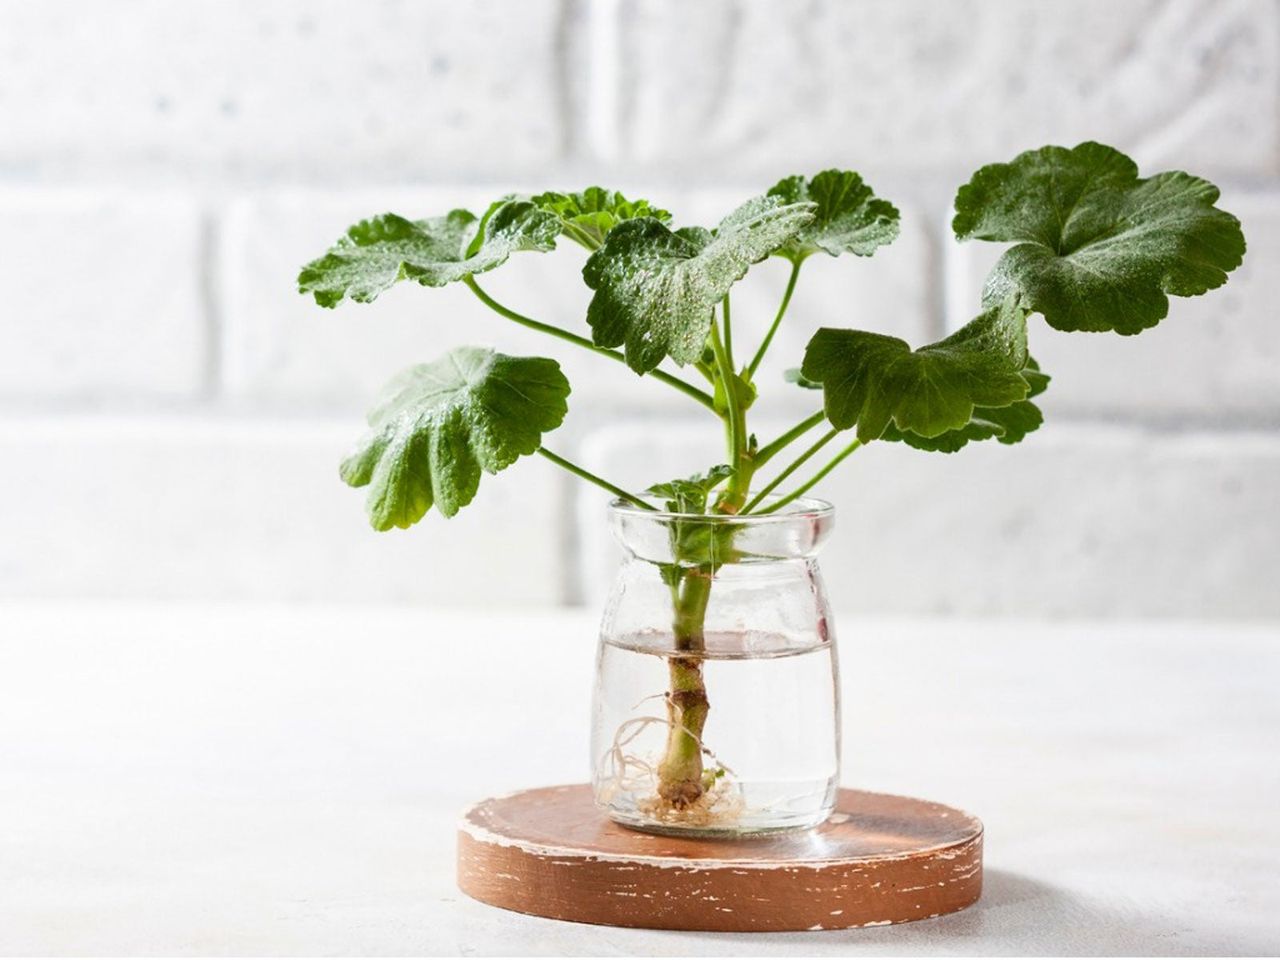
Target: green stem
688 389
735 421
728 331
765 453
791 468
680 779
782 309
809 484
579 236
590 477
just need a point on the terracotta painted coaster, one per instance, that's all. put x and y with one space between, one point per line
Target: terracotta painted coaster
880 859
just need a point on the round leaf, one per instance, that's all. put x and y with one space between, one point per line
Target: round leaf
1097 247
438 425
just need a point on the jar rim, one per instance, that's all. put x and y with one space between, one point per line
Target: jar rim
802 508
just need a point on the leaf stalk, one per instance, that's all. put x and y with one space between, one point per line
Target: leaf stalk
814 480
728 331
791 468
735 422
773 328
688 389
767 452
590 477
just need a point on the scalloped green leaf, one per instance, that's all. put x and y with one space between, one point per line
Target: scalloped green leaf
655 289
848 218
588 216
1098 248
379 252
1008 425
870 380
437 426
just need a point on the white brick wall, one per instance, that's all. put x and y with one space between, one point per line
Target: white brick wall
758 85
102 296
244 90
171 411
199 508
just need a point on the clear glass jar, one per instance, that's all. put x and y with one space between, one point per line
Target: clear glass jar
717 697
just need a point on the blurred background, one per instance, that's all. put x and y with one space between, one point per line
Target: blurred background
172 412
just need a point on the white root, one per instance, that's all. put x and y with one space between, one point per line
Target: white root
629 775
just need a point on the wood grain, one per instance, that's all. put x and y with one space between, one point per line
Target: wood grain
880 859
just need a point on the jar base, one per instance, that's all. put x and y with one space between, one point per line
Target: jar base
740 827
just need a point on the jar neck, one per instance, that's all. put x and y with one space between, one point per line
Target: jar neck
797 533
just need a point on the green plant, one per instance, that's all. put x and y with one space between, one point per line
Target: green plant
1094 248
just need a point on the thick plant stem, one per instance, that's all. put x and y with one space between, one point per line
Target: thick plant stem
735 422
682 780
680 774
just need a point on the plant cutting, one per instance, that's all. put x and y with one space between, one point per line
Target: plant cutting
721 564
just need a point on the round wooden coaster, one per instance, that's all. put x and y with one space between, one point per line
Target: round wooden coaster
880 859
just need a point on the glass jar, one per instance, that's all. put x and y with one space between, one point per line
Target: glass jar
717 696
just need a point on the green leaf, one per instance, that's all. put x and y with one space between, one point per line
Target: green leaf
1009 424
1097 247
849 218
655 289
873 380
694 541
689 494
379 252
437 425
587 217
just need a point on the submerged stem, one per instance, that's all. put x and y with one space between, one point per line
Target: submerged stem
680 780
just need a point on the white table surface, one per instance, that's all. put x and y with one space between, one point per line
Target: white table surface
223 780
